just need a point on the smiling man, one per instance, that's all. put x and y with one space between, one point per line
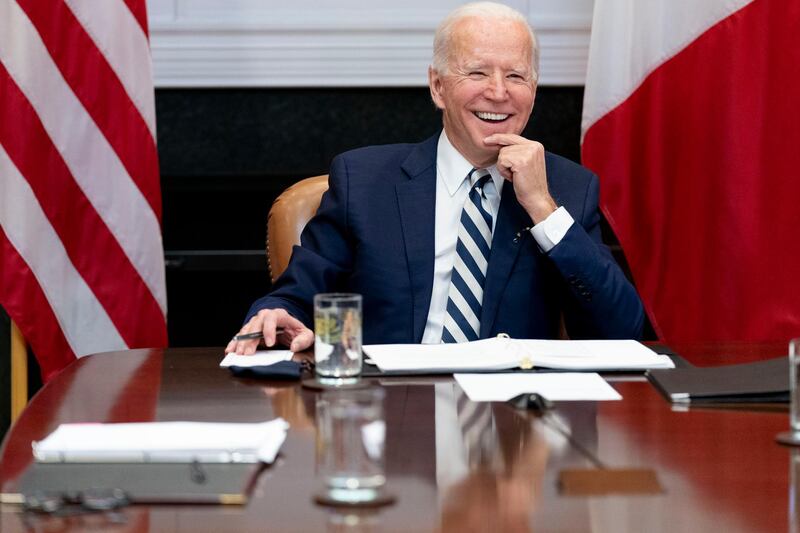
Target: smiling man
474 232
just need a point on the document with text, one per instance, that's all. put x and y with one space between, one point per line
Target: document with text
505 354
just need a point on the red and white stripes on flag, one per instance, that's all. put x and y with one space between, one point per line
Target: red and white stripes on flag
691 120
81 256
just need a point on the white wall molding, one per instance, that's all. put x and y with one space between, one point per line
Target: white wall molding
252 43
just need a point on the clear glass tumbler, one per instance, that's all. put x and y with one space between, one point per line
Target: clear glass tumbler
794 491
794 368
337 344
792 437
351 432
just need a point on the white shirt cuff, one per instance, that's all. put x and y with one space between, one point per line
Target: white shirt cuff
551 230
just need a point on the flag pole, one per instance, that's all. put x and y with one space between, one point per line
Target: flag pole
19 372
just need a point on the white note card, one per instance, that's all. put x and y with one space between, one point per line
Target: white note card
260 358
555 386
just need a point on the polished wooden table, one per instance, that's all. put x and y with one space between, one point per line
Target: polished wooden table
720 469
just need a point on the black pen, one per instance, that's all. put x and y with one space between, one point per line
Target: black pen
254 335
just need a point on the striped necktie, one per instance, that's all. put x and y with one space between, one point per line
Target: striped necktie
462 320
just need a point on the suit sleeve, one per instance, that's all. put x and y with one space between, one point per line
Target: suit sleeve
599 301
324 259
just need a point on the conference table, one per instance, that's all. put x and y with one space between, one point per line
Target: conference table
706 468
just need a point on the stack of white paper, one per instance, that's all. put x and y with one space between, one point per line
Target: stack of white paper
164 442
504 353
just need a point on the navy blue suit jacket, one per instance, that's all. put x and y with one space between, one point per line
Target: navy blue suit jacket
374 235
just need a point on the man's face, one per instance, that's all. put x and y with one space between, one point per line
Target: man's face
488 88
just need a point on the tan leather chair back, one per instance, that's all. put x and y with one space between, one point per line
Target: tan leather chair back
287 217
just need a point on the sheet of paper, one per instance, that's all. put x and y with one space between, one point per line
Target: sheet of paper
486 354
502 354
176 442
261 357
555 386
590 354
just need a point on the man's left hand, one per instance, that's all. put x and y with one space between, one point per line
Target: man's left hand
521 161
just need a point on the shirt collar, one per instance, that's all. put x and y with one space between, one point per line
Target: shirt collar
453 167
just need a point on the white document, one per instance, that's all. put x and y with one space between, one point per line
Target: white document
590 354
163 442
555 386
260 358
485 354
505 354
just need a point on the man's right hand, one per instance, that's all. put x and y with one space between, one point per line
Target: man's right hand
294 333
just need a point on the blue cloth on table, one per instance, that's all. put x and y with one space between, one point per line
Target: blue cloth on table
282 370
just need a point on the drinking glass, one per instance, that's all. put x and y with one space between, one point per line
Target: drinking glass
794 491
792 437
350 445
337 332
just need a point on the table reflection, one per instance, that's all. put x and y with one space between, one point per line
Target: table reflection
343 520
499 491
495 463
288 403
794 490
486 464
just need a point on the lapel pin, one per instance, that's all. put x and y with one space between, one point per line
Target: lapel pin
520 233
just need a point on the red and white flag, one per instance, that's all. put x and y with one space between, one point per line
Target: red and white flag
691 119
81 256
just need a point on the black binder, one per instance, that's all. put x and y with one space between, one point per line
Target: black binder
759 382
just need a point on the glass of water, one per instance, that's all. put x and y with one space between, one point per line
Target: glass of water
792 437
337 338
351 432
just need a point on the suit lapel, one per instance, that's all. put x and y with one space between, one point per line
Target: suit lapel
511 218
417 202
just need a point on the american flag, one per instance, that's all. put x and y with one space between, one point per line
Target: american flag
81 256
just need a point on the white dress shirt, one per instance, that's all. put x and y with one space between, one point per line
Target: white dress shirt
452 190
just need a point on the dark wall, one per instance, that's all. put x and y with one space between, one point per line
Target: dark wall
226 154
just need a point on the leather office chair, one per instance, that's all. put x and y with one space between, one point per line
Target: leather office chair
19 372
288 215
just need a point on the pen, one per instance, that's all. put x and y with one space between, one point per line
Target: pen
254 335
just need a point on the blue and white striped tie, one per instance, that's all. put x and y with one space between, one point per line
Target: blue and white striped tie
462 320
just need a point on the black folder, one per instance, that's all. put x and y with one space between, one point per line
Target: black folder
759 382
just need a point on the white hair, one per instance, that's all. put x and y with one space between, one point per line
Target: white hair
442 39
